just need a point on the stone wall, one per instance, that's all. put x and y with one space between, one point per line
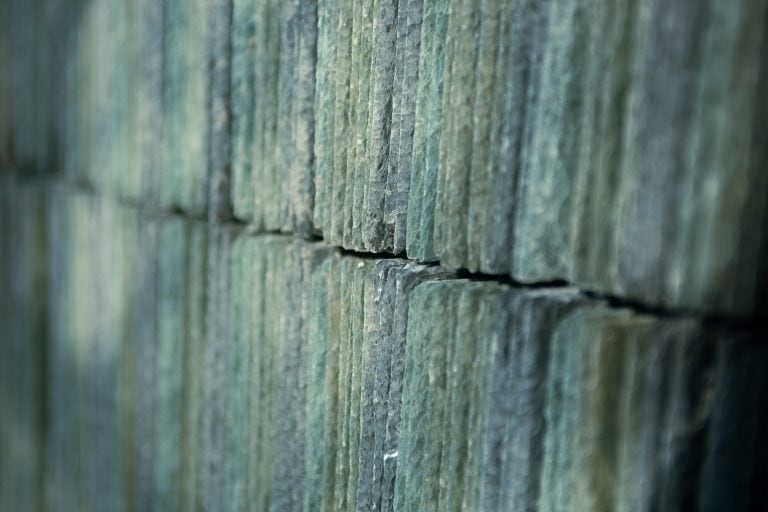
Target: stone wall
407 255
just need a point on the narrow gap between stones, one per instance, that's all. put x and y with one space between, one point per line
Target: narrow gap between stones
755 324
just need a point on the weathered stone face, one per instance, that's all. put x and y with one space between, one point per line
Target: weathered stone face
383 255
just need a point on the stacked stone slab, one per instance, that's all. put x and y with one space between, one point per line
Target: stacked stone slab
531 139
30 86
23 260
97 86
579 141
596 143
303 367
274 58
226 369
544 400
123 97
367 65
102 401
90 250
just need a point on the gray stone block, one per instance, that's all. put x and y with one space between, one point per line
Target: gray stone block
213 480
24 258
194 348
407 53
360 91
378 229
427 130
169 365
243 67
324 114
265 184
147 138
186 89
